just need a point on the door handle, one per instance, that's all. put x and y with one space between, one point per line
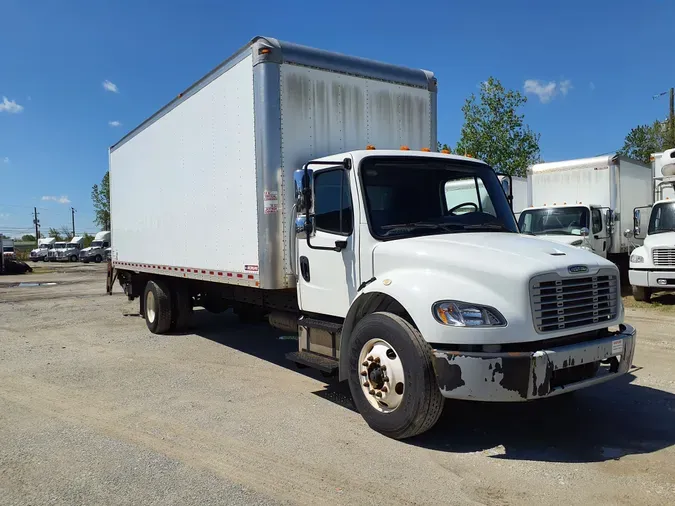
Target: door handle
304 268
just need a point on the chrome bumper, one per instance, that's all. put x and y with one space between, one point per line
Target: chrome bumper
513 377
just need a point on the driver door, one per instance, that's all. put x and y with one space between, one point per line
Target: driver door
599 236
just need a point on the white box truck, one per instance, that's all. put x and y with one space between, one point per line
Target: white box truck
652 265
96 251
8 249
587 203
44 245
277 186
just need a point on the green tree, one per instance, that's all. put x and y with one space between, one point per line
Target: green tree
494 132
87 239
55 234
28 238
100 196
66 233
643 140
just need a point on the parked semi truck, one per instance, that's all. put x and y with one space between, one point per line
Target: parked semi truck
652 265
587 203
40 253
66 251
312 176
96 252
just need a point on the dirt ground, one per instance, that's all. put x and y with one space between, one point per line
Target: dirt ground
96 410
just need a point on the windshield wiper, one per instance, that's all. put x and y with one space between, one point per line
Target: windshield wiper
488 226
423 224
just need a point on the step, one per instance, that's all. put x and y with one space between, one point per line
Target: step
333 328
313 360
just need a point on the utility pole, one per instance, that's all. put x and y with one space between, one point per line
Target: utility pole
72 212
37 225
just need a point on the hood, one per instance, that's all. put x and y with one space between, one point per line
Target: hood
664 240
512 256
561 239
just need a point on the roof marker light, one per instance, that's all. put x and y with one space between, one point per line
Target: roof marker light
370 147
426 150
405 148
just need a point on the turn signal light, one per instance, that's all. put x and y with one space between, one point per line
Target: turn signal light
405 148
370 146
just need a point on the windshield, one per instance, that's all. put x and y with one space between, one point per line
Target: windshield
97 244
407 197
70 246
554 221
662 219
59 244
44 246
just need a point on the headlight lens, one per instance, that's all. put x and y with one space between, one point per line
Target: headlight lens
465 314
637 259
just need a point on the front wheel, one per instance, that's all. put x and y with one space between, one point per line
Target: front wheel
391 376
642 293
98 259
73 258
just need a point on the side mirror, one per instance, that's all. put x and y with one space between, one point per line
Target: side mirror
304 190
628 233
585 232
609 220
636 223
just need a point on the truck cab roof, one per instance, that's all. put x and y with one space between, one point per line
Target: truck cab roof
361 154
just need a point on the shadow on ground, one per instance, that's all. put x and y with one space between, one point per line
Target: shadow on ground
605 422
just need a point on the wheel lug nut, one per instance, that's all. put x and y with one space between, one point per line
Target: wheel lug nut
377 360
385 389
378 394
372 392
365 364
384 367
386 379
364 373
366 384
369 358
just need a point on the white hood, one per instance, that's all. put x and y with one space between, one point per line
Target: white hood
663 240
561 239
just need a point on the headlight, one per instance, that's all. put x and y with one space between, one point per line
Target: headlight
637 259
464 314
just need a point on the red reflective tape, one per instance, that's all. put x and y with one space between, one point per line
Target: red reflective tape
181 269
229 274
220 274
240 275
211 272
203 271
189 270
250 276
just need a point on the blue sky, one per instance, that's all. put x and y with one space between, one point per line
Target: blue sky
590 68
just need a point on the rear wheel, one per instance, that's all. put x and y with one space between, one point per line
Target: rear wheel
157 307
73 258
642 293
391 376
98 259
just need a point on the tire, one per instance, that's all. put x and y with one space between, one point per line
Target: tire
157 309
182 309
73 258
642 293
421 403
98 259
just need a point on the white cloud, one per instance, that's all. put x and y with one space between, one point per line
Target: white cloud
10 106
4 215
547 91
114 123
63 199
110 86
5 160
591 85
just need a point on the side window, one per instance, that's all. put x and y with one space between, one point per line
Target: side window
105 244
333 203
597 221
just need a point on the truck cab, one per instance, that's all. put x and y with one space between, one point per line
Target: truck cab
96 252
66 251
652 265
41 252
8 249
584 226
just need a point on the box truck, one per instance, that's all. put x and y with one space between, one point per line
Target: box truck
301 185
8 249
652 265
96 251
587 202
40 253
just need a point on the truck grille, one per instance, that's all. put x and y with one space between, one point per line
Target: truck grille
664 256
563 303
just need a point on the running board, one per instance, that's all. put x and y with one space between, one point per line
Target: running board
315 361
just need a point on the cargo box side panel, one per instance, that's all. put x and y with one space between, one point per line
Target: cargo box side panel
635 190
588 185
183 190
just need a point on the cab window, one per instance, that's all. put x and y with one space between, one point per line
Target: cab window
332 202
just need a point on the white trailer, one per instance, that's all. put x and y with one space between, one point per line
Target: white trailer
587 202
652 265
8 249
253 191
96 251
44 245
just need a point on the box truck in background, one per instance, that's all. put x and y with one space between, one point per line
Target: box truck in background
652 265
8 249
299 184
587 203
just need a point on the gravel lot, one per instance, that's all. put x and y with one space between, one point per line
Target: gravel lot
96 410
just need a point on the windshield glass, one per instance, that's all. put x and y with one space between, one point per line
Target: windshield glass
407 197
44 246
97 244
70 246
554 221
662 218
59 244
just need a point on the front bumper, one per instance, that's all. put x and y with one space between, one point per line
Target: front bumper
513 377
651 279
